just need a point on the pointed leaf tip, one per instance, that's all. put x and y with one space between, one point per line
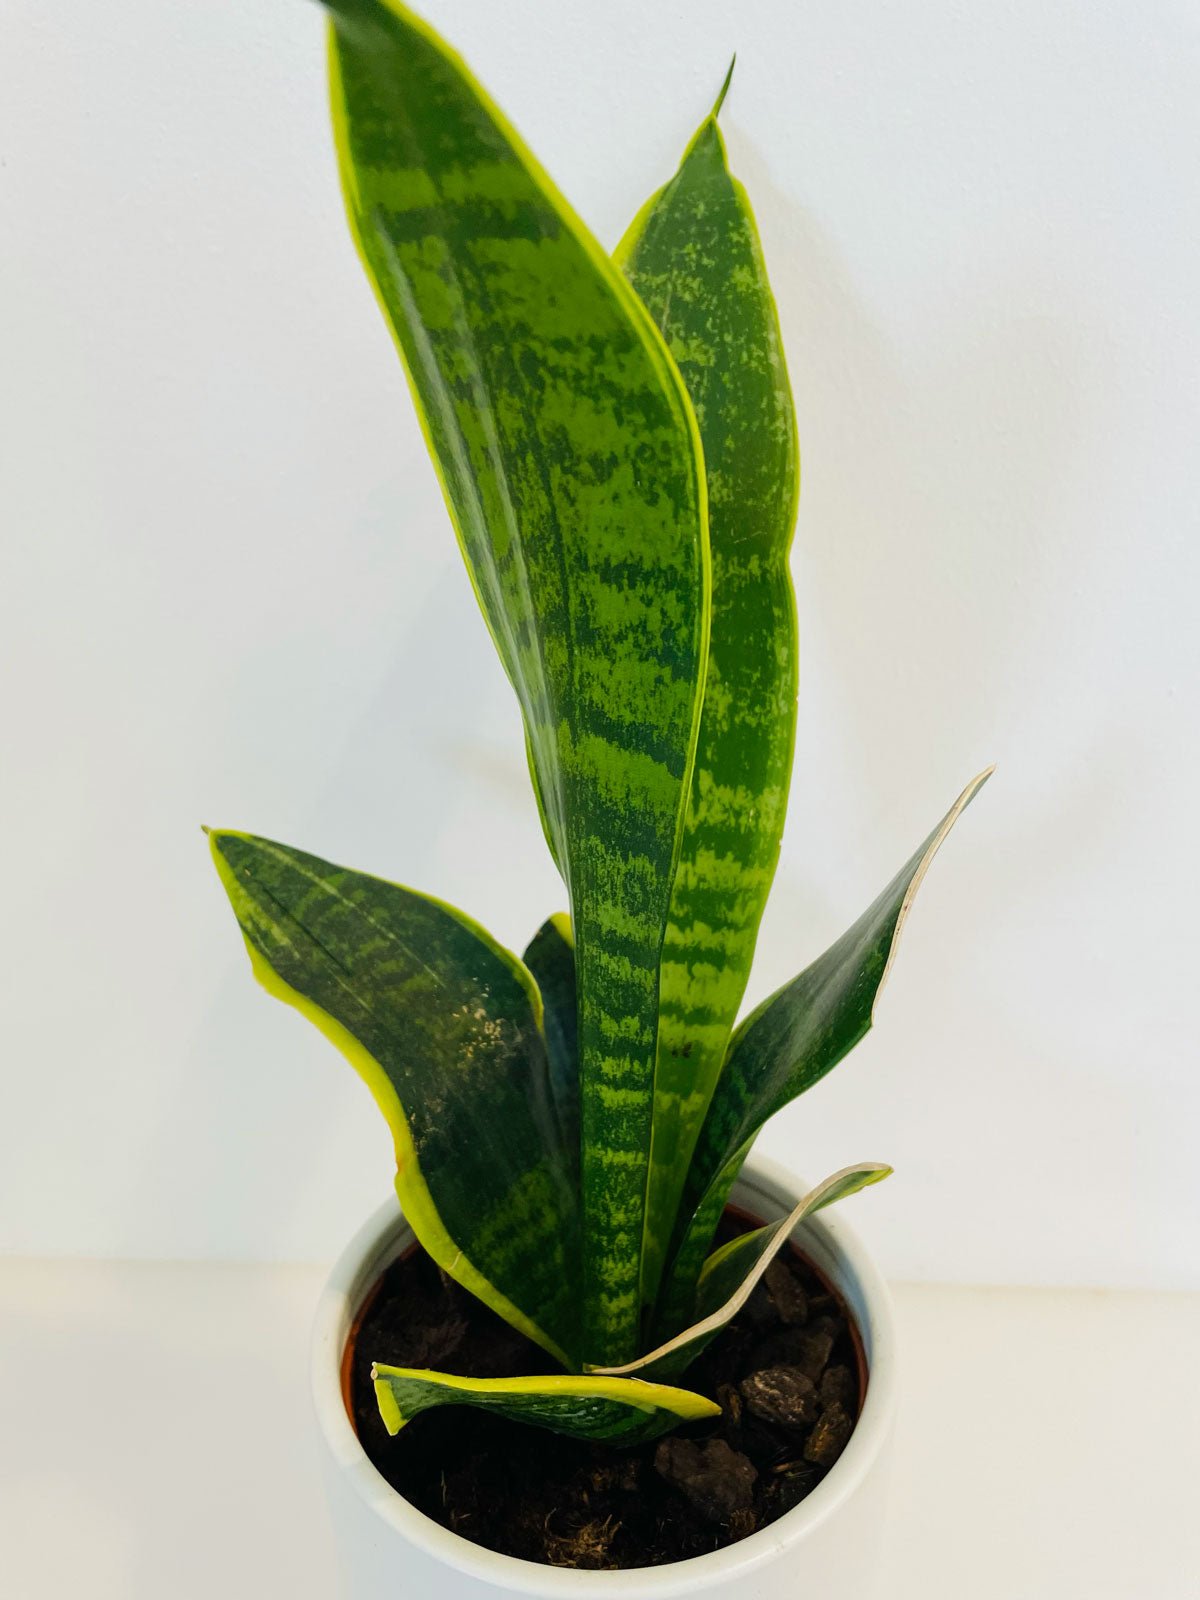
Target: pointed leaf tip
720 100
692 254
788 1045
410 122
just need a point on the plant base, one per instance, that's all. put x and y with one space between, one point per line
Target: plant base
828 1543
788 1374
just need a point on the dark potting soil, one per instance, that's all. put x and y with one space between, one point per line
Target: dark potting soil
785 1373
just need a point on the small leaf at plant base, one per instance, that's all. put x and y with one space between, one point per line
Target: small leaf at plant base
694 256
789 1043
616 1410
730 1273
570 461
444 1026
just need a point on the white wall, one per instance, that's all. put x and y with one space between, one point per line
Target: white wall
231 595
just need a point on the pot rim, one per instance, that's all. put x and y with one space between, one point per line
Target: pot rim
826 1237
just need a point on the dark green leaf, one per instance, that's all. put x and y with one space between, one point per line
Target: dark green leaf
444 1026
551 959
572 469
789 1043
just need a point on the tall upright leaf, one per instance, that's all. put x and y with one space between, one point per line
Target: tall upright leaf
445 1028
694 257
784 1047
571 465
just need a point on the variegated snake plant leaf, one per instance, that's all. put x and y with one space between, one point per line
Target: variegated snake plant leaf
693 254
617 447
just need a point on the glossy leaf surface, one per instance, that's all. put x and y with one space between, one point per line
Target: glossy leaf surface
616 1410
568 453
445 1027
693 255
789 1043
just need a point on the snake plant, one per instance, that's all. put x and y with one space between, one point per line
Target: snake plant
616 443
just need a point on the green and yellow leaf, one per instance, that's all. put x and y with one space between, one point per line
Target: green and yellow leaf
730 1274
693 255
572 468
784 1047
445 1027
621 1411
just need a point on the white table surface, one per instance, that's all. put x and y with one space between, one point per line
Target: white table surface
155 1441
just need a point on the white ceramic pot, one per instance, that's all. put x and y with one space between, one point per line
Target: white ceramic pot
825 1546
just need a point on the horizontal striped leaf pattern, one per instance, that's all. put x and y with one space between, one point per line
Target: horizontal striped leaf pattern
784 1047
694 257
571 464
621 1411
445 1027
